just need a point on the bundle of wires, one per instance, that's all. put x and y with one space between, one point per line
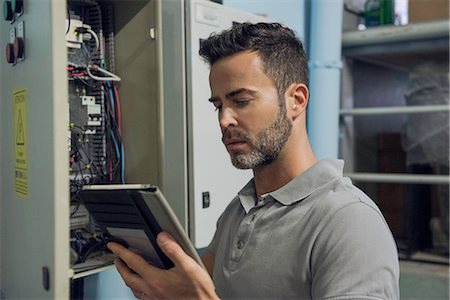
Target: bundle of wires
97 151
114 168
115 149
75 71
82 166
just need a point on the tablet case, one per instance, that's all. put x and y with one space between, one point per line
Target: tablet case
136 214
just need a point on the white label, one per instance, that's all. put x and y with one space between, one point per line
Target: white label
207 15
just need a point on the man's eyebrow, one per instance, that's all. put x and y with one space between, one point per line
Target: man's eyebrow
233 94
240 91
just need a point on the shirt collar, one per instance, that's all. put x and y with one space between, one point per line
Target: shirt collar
298 188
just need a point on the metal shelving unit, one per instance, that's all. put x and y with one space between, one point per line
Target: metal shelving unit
399 48
391 52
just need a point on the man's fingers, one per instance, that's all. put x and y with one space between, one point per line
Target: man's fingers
133 261
114 247
172 249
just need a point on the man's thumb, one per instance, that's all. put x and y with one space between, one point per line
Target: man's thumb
171 248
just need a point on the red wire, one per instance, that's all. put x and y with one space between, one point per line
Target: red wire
118 109
79 74
110 170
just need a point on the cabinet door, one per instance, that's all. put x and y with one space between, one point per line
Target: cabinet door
34 157
214 182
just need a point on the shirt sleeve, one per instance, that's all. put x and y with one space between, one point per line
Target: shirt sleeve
355 256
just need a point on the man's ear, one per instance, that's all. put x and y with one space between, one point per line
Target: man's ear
297 96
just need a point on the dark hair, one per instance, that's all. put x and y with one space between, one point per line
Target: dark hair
281 52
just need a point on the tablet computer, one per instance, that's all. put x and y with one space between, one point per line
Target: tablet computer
134 214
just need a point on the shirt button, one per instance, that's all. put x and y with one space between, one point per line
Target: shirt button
240 244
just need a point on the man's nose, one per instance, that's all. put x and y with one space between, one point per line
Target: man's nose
227 118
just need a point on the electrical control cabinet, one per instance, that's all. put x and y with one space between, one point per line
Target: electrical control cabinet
34 157
98 92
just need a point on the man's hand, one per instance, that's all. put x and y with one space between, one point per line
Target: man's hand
186 280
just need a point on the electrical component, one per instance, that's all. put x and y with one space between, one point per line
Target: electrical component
74 38
8 13
94 111
79 216
19 42
9 53
17 6
96 151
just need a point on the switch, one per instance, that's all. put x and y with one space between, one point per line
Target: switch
10 58
17 6
19 48
206 200
10 53
8 13
19 42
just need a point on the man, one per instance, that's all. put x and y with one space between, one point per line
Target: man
298 229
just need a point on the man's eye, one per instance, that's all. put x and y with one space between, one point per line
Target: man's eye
241 102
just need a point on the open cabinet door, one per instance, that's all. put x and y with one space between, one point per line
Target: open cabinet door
208 161
34 193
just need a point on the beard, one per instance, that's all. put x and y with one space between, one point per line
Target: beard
265 147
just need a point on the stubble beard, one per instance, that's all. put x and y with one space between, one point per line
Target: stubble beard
267 144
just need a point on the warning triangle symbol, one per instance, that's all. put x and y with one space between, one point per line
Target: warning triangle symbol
20 136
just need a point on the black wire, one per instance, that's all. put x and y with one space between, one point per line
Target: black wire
85 82
82 11
96 246
68 16
72 213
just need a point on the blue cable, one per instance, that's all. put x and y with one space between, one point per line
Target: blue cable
115 144
111 94
123 164
120 153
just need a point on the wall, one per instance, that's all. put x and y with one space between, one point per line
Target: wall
288 12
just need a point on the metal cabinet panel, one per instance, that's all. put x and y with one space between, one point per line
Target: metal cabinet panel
34 227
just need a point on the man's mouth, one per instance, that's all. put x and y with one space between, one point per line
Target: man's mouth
234 144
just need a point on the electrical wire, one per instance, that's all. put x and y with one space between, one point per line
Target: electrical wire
112 77
68 17
85 170
99 157
97 42
119 124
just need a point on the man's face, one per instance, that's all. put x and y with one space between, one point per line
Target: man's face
254 126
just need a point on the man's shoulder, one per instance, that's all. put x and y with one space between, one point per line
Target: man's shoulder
339 194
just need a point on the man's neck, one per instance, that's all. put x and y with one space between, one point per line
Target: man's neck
286 167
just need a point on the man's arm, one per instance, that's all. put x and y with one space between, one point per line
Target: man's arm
355 255
186 280
208 261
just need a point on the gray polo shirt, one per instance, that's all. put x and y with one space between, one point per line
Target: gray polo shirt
317 237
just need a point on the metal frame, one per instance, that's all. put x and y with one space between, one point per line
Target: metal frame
367 111
399 178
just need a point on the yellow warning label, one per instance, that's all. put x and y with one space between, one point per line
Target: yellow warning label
20 142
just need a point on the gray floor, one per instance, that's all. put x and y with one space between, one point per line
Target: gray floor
423 281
